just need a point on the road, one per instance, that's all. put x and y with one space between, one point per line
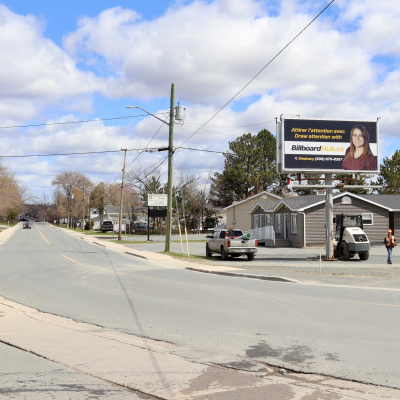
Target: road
337 331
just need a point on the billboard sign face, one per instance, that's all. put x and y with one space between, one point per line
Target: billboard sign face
157 200
328 146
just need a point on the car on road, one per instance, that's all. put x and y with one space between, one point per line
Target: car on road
107 226
26 225
38 220
231 242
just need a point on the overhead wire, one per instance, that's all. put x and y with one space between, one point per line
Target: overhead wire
73 153
226 126
169 92
258 73
74 122
146 145
162 101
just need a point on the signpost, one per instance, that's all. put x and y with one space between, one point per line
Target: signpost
155 200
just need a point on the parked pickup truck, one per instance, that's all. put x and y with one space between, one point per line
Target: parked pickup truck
107 226
231 242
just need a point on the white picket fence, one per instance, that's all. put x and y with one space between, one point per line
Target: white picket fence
265 233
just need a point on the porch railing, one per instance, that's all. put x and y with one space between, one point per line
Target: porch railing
265 233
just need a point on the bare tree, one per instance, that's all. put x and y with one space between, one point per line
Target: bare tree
11 200
67 183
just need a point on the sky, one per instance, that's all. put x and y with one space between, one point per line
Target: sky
64 62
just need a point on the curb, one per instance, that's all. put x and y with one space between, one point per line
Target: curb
259 277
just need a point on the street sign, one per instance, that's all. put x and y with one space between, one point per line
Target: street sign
157 200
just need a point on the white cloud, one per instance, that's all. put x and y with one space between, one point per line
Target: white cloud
212 50
34 72
335 68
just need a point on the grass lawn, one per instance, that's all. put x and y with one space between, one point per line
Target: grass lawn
184 256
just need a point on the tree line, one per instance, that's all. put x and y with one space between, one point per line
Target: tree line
13 194
249 168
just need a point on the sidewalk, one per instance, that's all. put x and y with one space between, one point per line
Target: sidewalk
148 367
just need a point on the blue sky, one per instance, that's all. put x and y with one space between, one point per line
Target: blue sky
60 17
72 61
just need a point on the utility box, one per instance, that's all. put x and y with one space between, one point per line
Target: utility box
180 113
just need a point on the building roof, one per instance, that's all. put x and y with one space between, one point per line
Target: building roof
252 197
389 202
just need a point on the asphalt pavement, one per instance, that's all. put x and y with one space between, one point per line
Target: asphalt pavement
135 362
294 264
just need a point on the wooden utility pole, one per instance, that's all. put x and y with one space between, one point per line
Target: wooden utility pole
83 212
170 169
122 198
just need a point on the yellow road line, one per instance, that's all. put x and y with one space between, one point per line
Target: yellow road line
42 235
71 259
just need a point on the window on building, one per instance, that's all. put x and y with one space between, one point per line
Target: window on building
278 222
368 218
293 223
261 221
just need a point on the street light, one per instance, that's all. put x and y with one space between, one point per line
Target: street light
179 116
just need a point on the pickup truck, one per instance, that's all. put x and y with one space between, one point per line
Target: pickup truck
231 242
107 226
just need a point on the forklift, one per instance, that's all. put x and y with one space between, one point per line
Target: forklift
350 239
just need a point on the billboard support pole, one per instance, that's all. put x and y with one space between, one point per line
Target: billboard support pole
329 218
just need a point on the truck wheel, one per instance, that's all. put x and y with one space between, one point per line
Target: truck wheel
250 257
336 253
208 252
224 255
344 251
364 256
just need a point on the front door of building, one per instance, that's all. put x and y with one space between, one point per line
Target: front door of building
285 226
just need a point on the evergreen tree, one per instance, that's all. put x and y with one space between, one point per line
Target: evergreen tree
347 180
310 179
249 168
389 177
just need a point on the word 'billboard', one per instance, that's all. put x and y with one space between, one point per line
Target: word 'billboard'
311 145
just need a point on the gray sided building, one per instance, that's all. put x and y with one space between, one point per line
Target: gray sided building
301 219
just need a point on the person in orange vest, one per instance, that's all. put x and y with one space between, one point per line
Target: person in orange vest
390 242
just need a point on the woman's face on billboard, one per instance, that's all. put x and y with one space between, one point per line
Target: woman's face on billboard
357 138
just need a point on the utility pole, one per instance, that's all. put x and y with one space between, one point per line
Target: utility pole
170 168
329 217
122 198
83 211
180 117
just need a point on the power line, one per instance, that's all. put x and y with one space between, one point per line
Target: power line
74 153
116 118
225 126
74 122
206 151
146 144
262 69
162 101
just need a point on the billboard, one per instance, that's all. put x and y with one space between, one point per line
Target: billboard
157 200
327 146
